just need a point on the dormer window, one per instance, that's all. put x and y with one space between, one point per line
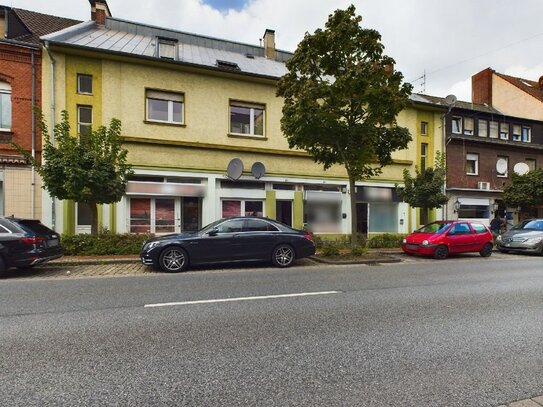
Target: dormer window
167 48
231 66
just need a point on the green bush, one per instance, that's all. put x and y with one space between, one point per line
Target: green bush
330 248
105 243
386 240
359 250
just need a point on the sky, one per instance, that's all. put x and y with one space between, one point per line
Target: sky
448 41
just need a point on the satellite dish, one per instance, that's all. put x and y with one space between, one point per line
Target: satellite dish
450 100
501 166
234 169
540 82
258 170
521 168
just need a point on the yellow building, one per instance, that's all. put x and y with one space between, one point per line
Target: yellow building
201 122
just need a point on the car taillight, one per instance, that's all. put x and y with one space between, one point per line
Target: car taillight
309 236
32 240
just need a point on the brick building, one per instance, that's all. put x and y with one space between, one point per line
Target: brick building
20 89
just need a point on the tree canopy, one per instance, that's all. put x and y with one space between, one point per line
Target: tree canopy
525 190
90 169
341 98
425 190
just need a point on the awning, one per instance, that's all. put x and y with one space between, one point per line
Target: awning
164 189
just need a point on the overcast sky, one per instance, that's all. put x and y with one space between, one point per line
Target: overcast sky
450 40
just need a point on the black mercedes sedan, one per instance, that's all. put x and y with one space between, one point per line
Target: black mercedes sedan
229 240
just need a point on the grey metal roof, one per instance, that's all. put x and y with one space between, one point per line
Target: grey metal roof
439 101
135 39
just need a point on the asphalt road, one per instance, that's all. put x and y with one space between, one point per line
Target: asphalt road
459 332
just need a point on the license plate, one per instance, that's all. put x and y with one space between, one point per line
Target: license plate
412 247
51 243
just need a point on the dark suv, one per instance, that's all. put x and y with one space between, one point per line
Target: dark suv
25 243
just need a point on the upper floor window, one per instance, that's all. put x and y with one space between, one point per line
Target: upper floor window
84 120
246 118
423 156
472 164
84 84
516 132
424 128
502 166
456 125
483 128
526 134
493 130
5 106
468 126
167 48
504 131
531 163
165 107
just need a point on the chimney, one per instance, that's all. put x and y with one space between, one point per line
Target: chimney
481 87
99 11
269 43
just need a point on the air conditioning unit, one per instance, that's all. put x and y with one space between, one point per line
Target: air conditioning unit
483 185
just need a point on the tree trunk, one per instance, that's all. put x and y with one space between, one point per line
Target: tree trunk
94 218
354 217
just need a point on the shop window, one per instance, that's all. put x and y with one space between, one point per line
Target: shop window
140 215
383 217
242 208
84 215
322 217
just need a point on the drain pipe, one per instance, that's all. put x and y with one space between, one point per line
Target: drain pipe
52 124
33 132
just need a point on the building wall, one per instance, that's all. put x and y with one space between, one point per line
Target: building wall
512 101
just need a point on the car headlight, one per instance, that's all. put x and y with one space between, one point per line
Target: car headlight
425 243
404 241
151 245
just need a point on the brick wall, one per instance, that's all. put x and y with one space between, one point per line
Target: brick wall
481 87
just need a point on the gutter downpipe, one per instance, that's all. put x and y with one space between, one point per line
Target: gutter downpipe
33 62
52 125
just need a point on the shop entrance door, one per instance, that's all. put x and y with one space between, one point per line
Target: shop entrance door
283 212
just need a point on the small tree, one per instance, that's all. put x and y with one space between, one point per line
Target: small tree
90 169
525 190
425 191
341 97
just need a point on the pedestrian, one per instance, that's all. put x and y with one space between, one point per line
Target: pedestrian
496 225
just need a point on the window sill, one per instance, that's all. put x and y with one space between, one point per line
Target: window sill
6 131
472 175
249 136
85 94
165 123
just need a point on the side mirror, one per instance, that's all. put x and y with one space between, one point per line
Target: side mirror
213 232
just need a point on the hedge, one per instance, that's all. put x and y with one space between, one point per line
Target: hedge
103 244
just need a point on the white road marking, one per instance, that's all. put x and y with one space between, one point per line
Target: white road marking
262 297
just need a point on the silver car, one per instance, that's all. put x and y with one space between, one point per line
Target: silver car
525 237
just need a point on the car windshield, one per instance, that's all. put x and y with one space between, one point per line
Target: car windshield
535 224
436 227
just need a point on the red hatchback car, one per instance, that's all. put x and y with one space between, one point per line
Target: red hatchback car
441 238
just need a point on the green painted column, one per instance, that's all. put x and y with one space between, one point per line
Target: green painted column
298 216
68 214
271 205
113 218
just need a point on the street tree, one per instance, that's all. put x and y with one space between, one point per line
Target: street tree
341 98
525 190
89 169
425 190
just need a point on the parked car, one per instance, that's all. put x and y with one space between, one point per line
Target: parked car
229 240
25 243
441 238
526 237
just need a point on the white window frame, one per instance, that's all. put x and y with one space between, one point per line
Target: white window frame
504 135
81 75
458 121
169 97
529 133
423 156
517 132
79 122
506 174
152 215
468 126
473 157
5 89
493 125
166 43
251 107
482 128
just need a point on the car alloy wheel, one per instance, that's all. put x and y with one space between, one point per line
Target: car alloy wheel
283 256
486 251
173 259
441 252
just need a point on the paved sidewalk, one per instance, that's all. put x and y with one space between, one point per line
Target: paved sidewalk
533 402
